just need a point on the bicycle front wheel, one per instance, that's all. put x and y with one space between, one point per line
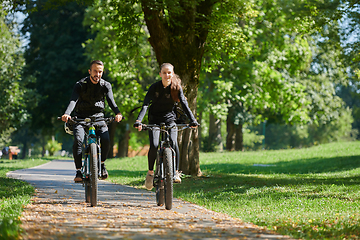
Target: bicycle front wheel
87 192
93 174
169 174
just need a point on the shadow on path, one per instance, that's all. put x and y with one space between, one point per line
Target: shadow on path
58 211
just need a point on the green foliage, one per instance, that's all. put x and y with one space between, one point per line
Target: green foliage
252 140
280 136
53 146
14 95
290 76
350 36
54 58
123 47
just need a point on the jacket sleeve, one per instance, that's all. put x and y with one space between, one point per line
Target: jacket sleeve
110 99
185 106
73 99
147 100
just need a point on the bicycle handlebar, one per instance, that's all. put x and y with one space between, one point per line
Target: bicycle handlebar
89 120
166 128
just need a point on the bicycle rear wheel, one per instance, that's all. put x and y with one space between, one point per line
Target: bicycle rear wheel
93 174
169 174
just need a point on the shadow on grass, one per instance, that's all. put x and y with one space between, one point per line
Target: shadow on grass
302 166
227 179
228 186
12 187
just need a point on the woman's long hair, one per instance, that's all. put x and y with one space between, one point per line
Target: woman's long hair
175 87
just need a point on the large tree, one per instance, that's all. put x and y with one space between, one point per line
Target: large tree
178 32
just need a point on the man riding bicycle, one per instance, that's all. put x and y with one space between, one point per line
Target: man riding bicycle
88 100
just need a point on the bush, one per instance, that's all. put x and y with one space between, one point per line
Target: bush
53 146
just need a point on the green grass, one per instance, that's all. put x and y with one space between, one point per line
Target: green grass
14 195
308 193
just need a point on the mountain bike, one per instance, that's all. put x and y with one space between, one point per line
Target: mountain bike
91 168
165 164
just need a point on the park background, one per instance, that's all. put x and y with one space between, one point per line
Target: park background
257 74
261 76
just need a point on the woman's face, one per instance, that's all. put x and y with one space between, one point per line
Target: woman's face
166 74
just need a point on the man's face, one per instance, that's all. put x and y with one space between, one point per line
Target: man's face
96 72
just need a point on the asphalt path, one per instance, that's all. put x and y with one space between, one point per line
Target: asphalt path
59 211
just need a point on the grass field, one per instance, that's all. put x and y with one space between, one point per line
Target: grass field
308 193
14 194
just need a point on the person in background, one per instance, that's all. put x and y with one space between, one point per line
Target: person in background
161 97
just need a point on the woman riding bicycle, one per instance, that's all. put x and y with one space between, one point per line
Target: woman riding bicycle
162 96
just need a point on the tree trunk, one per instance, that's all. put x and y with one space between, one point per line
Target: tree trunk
24 150
200 129
231 133
239 140
25 144
123 148
112 130
215 141
181 42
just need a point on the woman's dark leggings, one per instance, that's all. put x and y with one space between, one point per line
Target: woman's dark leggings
79 135
154 136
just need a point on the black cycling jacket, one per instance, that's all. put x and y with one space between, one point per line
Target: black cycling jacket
162 105
88 99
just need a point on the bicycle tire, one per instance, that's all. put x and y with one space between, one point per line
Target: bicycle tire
160 193
159 182
169 174
86 180
93 174
87 192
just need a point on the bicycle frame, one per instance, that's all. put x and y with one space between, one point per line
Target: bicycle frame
91 167
90 138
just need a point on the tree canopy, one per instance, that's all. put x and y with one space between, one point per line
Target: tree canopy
54 57
14 95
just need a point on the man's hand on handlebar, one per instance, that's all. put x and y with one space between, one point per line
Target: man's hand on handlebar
65 117
118 117
138 125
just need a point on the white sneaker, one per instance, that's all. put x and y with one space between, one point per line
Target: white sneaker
149 181
177 177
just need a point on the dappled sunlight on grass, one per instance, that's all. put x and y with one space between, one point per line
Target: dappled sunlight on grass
308 193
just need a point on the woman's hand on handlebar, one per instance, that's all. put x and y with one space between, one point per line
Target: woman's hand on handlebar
138 125
65 117
194 124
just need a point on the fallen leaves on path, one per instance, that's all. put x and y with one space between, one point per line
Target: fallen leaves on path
66 219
